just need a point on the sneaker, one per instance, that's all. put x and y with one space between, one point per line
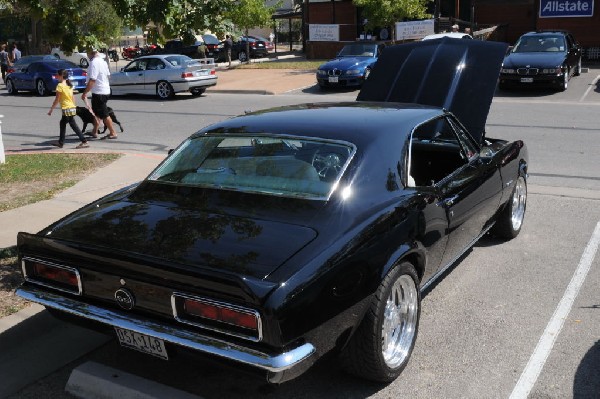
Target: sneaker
83 145
57 144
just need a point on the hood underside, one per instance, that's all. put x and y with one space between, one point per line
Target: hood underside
457 75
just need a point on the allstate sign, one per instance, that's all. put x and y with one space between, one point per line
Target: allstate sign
566 8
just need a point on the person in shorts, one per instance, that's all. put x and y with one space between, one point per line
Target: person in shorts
98 84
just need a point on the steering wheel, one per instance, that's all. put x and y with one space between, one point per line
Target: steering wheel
327 164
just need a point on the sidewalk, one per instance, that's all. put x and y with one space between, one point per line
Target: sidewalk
128 169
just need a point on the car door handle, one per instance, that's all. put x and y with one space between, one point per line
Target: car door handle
448 202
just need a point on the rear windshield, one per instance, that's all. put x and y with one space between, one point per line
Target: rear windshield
283 166
178 60
51 64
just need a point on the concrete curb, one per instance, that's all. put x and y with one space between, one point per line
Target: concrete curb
92 380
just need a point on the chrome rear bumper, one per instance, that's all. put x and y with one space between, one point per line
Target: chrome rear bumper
280 367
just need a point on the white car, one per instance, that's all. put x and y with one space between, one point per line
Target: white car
76 57
163 75
452 35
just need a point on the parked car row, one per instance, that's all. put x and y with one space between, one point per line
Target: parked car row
538 59
160 75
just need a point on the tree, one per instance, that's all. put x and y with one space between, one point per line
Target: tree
381 13
249 14
91 23
175 18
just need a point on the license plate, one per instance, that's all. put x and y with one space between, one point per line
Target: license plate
526 80
201 73
141 342
333 79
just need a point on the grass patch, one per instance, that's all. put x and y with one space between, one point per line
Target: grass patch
29 178
301 65
10 279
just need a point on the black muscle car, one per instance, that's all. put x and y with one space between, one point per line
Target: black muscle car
272 238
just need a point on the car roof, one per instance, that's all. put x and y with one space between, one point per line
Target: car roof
457 75
363 124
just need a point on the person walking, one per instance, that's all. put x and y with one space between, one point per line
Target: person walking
98 84
4 61
228 45
16 53
64 97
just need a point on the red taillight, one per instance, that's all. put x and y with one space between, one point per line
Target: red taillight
55 77
222 314
56 274
84 73
10 70
187 75
213 72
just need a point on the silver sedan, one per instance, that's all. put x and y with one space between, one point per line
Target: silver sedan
163 75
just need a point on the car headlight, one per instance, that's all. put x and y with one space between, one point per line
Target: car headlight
508 71
551 71
353 72
321 72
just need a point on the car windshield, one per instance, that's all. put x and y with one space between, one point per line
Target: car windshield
282 166
358 49
540 43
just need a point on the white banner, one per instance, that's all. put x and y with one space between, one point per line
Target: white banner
323 33
414 29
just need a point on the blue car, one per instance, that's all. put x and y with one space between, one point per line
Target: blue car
40 77
351 67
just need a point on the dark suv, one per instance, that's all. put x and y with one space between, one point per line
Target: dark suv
543 58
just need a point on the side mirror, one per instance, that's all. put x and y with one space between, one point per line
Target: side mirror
170 151
122 69
486 153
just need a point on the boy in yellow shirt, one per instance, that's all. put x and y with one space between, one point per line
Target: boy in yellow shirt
64 96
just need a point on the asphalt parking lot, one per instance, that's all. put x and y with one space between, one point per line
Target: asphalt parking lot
509 320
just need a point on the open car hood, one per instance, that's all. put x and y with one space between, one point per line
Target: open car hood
458 75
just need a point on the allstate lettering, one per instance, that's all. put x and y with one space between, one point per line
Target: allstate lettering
566 6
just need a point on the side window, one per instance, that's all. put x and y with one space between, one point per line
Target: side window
435 152
133 67
154 64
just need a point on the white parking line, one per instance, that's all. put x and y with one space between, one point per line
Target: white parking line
546 342
589 89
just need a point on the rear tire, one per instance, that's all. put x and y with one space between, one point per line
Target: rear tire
84 63
510 220
10 87
197 92
40 88
381 346
242 57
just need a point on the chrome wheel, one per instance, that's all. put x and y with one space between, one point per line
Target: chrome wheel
242 56
84 63
519 200
164 90
400 322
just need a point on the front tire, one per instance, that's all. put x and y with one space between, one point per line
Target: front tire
510 220
40 88
164 90
10 87
578 68
565 83
381 346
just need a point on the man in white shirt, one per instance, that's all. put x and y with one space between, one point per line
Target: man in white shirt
98 84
